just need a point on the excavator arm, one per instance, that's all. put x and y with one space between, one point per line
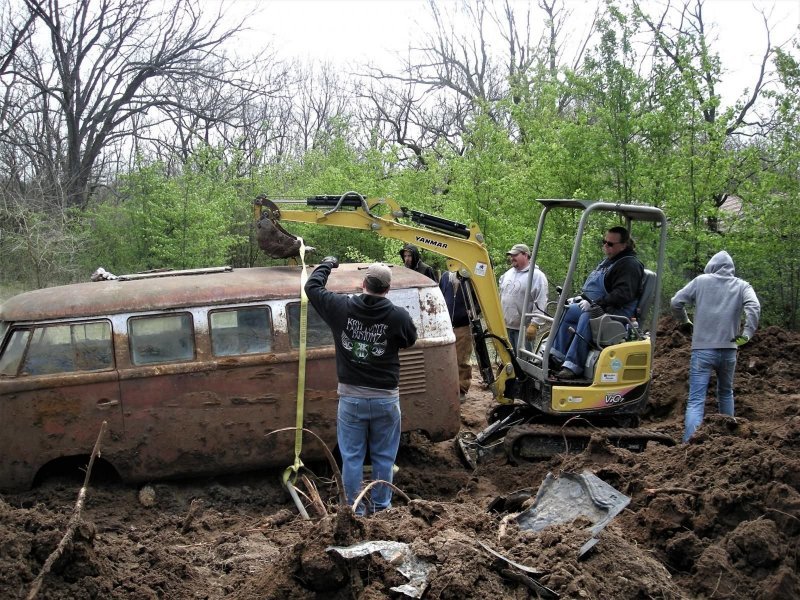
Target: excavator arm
463 246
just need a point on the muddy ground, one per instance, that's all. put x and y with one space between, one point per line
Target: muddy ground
716 518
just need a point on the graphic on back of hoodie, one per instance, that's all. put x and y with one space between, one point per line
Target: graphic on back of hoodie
363 341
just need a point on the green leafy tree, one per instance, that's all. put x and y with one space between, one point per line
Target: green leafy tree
765 241
181 222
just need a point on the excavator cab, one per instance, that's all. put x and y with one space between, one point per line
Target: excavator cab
550 416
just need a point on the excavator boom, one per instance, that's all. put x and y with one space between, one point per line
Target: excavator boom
463 245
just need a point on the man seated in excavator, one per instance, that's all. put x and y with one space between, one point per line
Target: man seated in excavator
611 288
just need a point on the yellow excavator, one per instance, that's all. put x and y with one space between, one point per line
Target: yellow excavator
536 415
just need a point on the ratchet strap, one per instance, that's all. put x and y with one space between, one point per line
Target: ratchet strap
301 370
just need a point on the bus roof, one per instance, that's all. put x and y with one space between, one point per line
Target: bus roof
164 292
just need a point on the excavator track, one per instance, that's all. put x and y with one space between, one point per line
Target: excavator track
529 442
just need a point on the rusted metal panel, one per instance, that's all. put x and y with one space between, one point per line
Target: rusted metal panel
436 409
412 371
54 416
199 422
239 285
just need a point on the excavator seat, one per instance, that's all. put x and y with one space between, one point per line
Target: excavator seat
608 330
646 296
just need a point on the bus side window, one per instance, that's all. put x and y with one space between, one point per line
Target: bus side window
161 338
318 333
240 331
91 343
12 355
68 348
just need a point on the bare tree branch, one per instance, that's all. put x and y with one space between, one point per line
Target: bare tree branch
700 65
112 64
758 88
12 36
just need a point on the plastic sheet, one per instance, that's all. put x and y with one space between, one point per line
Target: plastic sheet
400 556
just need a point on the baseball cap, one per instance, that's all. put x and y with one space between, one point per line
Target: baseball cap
517 248
379 272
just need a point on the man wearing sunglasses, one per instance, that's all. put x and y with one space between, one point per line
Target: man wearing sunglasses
613 287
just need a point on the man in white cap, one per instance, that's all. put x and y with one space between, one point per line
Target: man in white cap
513 284
368 331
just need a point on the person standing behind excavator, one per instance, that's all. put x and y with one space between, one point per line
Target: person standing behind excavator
455 297
513 284
719 298
368 332
410 255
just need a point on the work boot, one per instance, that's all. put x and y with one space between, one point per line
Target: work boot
565 373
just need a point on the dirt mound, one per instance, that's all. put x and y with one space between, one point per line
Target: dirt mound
715 518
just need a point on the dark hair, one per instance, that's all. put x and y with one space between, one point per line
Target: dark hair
624 236
375 285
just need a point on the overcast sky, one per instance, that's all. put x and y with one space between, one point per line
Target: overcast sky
348 31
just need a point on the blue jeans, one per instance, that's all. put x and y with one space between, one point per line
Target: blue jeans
372 423
513 336
573 349
723 362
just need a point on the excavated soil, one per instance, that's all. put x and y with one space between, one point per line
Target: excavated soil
716 518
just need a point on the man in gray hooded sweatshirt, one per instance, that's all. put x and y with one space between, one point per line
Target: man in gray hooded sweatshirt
719 298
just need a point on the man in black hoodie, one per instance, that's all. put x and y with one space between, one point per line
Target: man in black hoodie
368 331
410 256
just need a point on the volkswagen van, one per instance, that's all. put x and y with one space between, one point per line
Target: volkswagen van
191 370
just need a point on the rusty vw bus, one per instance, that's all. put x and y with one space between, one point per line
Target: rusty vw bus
192 369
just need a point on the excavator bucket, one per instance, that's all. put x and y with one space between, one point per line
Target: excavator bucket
274 240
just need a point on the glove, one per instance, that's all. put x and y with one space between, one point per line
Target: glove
596 311
741 340
330 260
530 331
573 300
585 305
686 328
